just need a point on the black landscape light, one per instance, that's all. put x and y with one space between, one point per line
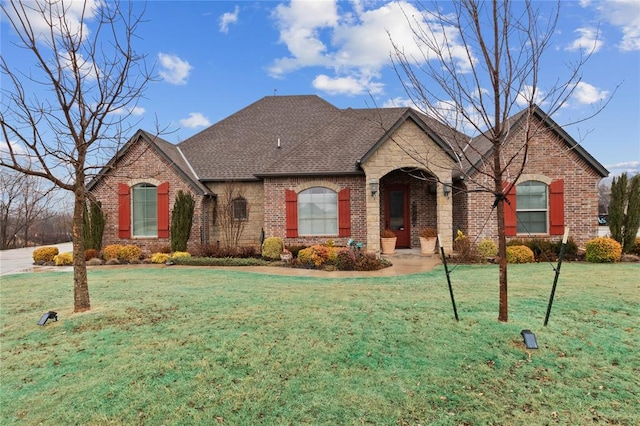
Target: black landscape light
48 316
529 339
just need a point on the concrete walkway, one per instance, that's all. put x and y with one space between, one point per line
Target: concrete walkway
405 261
20 260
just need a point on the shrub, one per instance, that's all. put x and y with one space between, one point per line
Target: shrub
603 250
487 248
428 232
45 254
180 255
520 254
94 222
124 253
295 250
181 221
369 262
63 259
90 254
317 255
346 260
387 233
160 258
272 247
636 247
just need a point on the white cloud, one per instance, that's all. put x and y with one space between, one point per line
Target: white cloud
134 111
624 14
44 15
173 69
527 95
195 119
356 45
346 85
229 18
585 93
137 111
589 40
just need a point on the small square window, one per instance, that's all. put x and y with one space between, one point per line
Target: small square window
239 209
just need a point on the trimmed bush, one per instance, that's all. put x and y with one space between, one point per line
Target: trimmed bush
272 247
369 262
181 221
636 247
124 253
603 250
160 258
45 254
520 254
180 255
318 255
90 254
346 260
63 259
487 248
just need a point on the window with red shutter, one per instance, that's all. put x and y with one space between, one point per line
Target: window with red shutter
556 207
344 213
124 211
510 218
163 210
291 201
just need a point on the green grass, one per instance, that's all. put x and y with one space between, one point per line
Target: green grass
187 345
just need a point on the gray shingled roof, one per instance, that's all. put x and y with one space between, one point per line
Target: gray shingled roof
245 144
170 152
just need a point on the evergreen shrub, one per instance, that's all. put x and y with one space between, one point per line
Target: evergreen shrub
603 250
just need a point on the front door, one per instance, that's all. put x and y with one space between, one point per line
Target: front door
397 213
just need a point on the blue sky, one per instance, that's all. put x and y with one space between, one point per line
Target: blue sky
214 58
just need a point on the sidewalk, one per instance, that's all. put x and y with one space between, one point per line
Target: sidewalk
405 261
20 260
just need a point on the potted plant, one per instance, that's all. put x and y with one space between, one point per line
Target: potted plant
428 237
388 241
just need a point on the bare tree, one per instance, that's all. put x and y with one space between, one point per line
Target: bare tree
473 69
25 201
69 109
232 212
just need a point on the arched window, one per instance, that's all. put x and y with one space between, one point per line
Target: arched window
144 202
318 211
239 209
532 201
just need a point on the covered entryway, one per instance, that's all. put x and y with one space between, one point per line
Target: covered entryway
397 213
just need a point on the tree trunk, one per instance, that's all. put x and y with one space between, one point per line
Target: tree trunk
81 301
503 311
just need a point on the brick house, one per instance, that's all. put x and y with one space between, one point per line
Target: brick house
301 169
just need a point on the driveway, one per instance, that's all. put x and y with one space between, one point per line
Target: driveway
20 260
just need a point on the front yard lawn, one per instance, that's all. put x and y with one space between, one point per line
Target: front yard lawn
185 345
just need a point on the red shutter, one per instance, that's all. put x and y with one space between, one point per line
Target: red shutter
556 207
163 210
344 213
291 200
510 218
124 211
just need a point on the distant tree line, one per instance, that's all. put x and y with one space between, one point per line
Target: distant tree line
30 212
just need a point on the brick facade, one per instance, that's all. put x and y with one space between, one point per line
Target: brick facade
549 159
141 163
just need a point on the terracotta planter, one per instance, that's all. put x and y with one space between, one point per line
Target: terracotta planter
388 245
428 245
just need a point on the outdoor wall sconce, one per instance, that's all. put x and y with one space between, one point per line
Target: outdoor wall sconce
446 189
373 187
48 316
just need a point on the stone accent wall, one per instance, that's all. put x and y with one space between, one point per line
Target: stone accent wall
141 163
275 207
409 147
253 192
549 159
